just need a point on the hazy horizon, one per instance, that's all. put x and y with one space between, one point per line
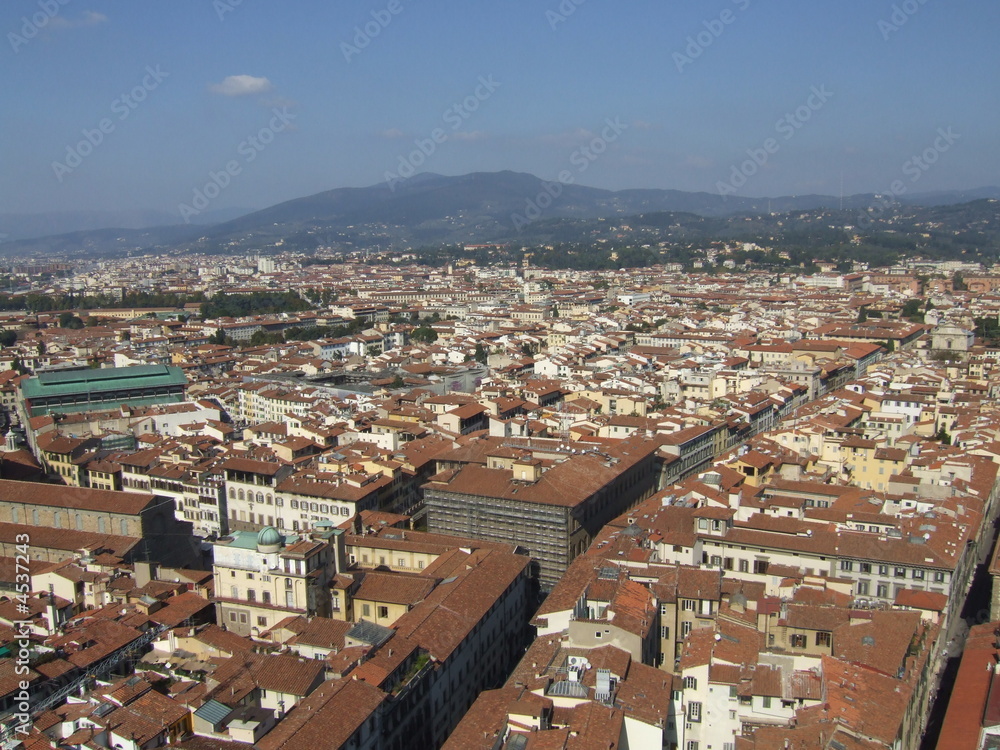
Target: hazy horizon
136 108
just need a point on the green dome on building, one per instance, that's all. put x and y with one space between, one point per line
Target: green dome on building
269 537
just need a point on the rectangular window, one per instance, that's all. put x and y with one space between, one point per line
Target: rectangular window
822 638
383 612
918 575
366 610
900 572
766 701
261 622
866 567
744 566
690 683
685 628
665 632
687 605
846 565
694 711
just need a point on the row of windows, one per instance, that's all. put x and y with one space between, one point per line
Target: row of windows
898 571
57 521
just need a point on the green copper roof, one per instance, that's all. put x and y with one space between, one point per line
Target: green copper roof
98 381
269 536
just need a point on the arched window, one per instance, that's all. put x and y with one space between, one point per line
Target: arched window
232 493
260 497
269 498
242 496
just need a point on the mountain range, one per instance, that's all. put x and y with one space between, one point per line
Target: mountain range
427 209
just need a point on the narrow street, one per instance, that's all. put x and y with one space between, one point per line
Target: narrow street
975 611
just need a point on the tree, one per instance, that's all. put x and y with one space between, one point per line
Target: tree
481 354
424 335
69 320
958 283
911 310
862 314
219 337
397 382
7 338
943 436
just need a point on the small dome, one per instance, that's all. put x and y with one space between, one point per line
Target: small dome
269 537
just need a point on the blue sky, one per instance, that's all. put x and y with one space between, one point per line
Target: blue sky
692 106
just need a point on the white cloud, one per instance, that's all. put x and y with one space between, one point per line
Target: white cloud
392 133
88 18
240 86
